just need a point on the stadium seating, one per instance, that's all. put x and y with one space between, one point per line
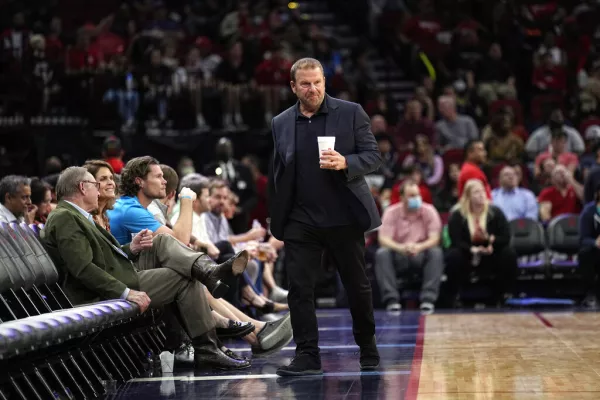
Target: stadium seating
528 239
50 349
563 238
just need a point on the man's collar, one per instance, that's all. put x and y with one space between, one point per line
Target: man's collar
10 216
86 214
323 109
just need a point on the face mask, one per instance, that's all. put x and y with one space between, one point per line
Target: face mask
598 209
414 203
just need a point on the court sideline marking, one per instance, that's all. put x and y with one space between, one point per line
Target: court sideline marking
412 390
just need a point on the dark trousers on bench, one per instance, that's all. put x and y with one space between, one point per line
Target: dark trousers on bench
502 265
589 264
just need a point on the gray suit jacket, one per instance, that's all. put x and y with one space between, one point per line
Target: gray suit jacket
351 127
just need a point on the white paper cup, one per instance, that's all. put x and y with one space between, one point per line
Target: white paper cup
325 143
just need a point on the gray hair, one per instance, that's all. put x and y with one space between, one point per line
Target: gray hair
11 184
68 182
190 179
305 63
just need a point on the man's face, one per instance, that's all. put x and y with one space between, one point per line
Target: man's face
154 186
414 110
447 108
90 192
19 202
309 87
508 178
410 191
559 176
559 144
478 153
204 201
218 199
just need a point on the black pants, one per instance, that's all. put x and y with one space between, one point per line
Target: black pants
589 263
233 294
304 246
502 264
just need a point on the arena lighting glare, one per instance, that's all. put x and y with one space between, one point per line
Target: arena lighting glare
292 5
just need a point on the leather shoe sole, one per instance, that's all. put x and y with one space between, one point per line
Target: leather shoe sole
367 367
306 372
234 333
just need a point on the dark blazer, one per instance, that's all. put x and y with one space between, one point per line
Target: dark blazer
497 225
351 127
86 257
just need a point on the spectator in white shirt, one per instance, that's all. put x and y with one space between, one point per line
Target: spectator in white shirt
15 200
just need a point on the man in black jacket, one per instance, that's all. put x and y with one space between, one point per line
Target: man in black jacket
240 181
589 240
322 201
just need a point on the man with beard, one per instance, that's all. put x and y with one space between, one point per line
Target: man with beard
152 269
322 201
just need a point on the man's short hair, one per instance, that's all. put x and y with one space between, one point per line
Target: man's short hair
68 182
138 167
171 177
217 184
189 179
11 184
305 63
470 145
405 184
199 185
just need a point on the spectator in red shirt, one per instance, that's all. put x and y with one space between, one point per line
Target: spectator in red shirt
414 124
260 211
563 197
273 75
558 151
549 77
475 156
82 56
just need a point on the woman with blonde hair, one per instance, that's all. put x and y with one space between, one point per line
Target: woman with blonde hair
480 236
105 175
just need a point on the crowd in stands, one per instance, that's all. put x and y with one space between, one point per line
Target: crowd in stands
185 65
503 123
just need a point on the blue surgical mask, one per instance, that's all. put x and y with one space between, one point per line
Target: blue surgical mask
414 203
598 209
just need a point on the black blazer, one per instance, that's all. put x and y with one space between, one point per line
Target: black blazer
351 127
497 225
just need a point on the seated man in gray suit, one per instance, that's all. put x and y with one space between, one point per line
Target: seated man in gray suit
147 271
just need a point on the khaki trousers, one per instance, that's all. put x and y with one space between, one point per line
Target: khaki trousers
164 272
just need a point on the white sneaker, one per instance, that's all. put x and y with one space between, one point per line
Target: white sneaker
394 307
427 308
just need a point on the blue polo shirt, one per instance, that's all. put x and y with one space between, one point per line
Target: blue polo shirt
128 217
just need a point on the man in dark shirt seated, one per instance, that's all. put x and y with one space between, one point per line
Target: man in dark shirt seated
589 253
96 267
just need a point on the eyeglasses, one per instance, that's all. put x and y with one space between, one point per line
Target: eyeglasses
97 184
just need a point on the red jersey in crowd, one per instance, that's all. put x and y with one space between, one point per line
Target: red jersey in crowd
470 171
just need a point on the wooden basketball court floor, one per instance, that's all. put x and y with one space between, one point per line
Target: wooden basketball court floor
476 355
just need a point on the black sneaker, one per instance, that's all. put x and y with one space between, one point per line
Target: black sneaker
303 364
369 356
